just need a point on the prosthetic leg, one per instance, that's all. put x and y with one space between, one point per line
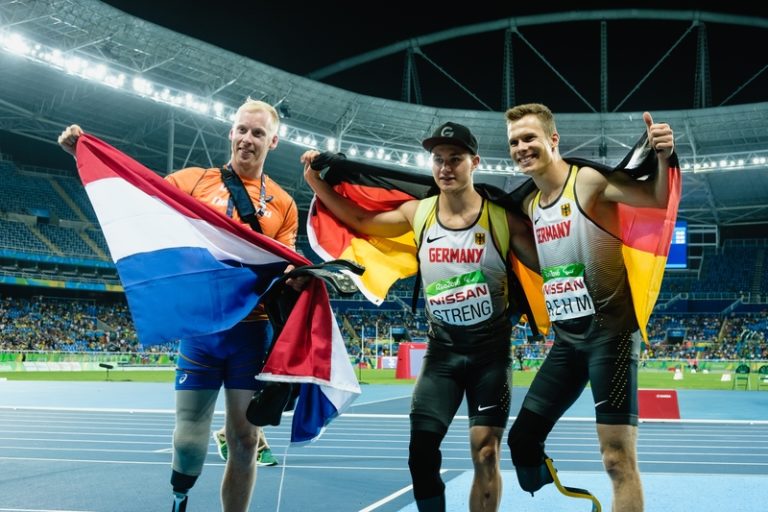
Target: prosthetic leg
572 492
533 467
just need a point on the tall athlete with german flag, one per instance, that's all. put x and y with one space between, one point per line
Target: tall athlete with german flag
602 241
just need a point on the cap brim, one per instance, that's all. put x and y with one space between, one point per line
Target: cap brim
431 142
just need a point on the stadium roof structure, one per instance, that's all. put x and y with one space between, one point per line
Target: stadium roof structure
166 99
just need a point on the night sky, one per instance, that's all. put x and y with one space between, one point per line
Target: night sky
300 37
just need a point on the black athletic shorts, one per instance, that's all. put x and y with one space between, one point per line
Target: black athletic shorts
609 366
446 376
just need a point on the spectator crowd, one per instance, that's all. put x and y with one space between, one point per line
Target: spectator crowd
40 323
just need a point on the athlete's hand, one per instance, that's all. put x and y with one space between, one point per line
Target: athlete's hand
306 159
297 283
660 136
68 138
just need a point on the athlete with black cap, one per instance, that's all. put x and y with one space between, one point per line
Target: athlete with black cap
463 241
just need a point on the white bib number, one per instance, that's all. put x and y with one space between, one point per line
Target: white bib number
565 292
460 300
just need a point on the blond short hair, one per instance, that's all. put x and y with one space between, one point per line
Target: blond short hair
252 105
542 113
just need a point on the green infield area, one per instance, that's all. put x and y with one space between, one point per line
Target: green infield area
647 378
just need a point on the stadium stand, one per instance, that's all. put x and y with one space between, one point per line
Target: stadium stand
715 313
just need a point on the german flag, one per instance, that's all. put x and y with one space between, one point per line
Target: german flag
645 232
376 189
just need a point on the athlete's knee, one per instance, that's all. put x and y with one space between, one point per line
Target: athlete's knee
190 448
619 462
487 456
485 448
424 461
244 443
526 438
618 448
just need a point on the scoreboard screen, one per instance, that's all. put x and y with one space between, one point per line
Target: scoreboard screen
678 250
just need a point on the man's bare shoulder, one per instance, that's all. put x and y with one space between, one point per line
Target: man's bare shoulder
408 209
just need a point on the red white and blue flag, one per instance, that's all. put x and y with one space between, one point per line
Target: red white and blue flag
188 271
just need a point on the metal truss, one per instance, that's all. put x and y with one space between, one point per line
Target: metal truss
163 98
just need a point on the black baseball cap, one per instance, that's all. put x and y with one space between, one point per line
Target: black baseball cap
452 133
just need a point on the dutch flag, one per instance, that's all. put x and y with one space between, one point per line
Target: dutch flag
188 270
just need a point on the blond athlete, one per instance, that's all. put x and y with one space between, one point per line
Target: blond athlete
231 358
